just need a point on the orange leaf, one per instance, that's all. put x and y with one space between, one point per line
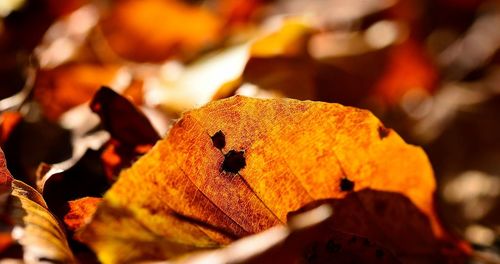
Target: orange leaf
59 89
80 212
153 30
239 166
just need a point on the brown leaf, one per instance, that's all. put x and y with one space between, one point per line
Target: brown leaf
213 192
131 132
30 223
122 119
308 238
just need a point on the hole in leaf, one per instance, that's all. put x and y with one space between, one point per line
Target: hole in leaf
346 185
383 132
219 140
234 161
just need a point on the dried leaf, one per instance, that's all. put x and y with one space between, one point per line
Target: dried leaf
31 224
131 132
231 169
122 119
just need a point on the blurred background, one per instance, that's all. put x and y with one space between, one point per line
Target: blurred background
429 69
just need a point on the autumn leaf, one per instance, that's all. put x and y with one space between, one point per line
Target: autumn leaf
112 108
131 132
30 223
307 238
153 30
80 212
231 169
66 86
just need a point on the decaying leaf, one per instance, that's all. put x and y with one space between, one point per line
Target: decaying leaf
30 223
232 168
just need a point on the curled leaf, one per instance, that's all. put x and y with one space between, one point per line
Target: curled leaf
122 119
131 132
31 224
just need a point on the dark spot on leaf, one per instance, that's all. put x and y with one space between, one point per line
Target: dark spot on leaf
353 240
379 253
383 132
346 185
219 140
366 242
333 247
234 161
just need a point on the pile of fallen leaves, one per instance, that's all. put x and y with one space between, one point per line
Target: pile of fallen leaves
235 131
